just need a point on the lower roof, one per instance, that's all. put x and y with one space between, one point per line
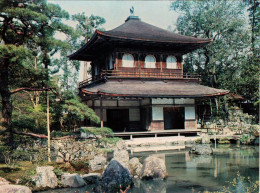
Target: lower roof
139 88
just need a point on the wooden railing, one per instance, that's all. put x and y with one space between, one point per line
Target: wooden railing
137 73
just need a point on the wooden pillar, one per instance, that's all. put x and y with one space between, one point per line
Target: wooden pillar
161 61
116 63
101 112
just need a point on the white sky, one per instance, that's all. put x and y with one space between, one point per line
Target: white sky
115 12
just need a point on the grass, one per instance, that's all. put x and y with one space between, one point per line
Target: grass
16 172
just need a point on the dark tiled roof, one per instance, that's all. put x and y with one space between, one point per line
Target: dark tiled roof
138 34
135 29
138 88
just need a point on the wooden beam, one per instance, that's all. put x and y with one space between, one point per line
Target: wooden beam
101 112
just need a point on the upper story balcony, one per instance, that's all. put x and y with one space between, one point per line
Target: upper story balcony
141 73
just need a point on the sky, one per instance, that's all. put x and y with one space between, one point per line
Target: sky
115 12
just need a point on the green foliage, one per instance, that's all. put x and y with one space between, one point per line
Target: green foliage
58 172
245 139
98 131
198 141
229 62
26 179
80 166
242 184
71 111
86 25
28 36
109 140
223 141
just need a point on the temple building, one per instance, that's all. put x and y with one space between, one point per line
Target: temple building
137 81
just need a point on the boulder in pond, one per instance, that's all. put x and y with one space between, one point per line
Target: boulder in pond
8 188
45 177
98 163
115 177
204 149
154 168
135 167
121 154
205 139
72 180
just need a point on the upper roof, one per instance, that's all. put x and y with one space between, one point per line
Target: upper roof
135 29
136 33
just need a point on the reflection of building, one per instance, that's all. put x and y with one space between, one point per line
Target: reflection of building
137 80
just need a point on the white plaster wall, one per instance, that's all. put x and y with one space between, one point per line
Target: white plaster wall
162 101
134 114
189 113
157 113
184 101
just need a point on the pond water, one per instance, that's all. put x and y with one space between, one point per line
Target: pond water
194 173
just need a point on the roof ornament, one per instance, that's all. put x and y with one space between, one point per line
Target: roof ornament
132 10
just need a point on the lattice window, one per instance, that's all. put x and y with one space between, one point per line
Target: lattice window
127 60
150 61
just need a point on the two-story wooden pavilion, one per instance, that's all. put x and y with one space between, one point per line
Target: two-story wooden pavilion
137 81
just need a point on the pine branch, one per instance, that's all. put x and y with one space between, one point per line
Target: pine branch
32 89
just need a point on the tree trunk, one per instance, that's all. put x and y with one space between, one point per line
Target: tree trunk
48 128
36 96
6 102
253 27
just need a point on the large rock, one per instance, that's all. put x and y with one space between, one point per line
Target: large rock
98 163
45 177
135 167
115 177
3 181
14 189
121 154
201 150
91 178
121 145
72 180
154 168
205 139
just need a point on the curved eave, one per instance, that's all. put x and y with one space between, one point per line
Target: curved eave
153 96
80 54
160 89
206 41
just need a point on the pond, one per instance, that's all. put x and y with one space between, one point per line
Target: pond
193 173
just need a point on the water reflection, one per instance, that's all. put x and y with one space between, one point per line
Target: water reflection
189 172
193 173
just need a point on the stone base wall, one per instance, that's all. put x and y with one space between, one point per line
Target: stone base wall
157 125
190 124
67 150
